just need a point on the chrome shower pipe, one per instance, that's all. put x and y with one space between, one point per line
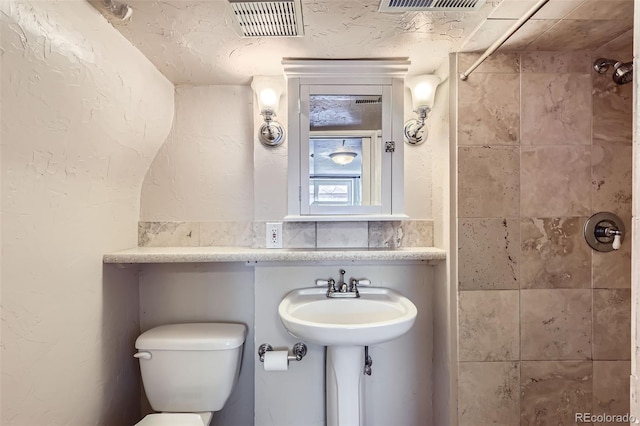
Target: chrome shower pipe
515 27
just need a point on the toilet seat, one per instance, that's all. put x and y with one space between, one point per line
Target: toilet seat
176 419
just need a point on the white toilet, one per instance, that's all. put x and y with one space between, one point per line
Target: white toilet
189 370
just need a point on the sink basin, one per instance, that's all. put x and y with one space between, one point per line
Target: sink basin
378 315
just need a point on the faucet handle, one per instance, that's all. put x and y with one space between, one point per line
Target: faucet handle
363 281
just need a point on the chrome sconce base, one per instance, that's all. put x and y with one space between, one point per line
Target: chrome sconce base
271 133
415 131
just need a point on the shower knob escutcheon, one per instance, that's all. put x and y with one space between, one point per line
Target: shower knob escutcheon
604 231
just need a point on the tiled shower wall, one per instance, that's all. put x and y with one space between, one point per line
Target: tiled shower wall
543 142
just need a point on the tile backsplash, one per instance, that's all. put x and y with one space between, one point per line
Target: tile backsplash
296 235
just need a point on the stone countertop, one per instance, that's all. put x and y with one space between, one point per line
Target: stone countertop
245 254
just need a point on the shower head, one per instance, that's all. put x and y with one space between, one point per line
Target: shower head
622 72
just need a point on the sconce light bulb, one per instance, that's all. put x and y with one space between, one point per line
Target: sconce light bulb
268 98
422 92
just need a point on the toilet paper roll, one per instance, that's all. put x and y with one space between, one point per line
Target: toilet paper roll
276 361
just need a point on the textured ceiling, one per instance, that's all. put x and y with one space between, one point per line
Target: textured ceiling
194 41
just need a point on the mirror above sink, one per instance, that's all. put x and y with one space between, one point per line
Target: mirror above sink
345 139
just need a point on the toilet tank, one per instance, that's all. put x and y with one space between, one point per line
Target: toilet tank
190 367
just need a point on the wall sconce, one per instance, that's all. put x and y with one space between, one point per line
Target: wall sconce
423 92
268 91
342 156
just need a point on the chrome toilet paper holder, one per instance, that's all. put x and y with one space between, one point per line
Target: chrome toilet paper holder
299 351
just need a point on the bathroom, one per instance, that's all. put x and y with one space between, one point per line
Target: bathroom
101 152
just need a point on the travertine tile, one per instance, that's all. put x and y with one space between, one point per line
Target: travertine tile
611 387
553 391
611 173
229 234
555 324
555 181
488 329
396 234
499 62
489 110
556 62
575 35
259 235
613 269
488 181
556 109
598 10
299 234
342 234
612 110
168 234
554 253
488 252
488 393
612 324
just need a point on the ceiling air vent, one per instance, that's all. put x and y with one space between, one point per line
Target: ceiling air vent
268 18
429 5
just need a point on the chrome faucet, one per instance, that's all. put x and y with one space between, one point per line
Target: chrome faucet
343 289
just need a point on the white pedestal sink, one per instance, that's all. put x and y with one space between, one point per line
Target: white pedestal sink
346 326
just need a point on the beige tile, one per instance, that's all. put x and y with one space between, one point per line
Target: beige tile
500 62
554 253
553 391
526 35
410 233
611 174
168 234
229 234
488 393
611 387
551 11
488 254
621 46
611 324
488 326
612 109
556 62
579 35
619 10
488 181
555 324
613 269
259 235
556 181
489 110
342 234
556 109
299 234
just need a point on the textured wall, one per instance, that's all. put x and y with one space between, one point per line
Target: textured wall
83 113
205 169
544 322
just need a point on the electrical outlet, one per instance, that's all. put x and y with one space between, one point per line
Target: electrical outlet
274 235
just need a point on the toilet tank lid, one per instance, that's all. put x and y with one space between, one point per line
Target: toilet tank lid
193 337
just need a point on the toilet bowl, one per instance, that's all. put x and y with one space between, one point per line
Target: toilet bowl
189 370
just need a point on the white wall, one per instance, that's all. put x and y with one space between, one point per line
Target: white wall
204 172
399 392
83 113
